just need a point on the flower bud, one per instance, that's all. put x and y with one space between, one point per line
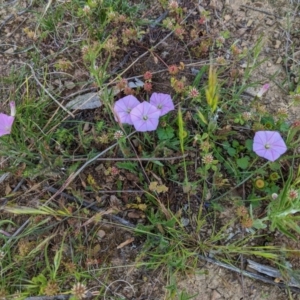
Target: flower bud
12 108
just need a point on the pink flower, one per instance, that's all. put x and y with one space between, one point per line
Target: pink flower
6 121
263 90
163 102
145 117
123 107
269 145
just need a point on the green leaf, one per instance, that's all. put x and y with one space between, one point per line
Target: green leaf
255 202
284 127
217 206
181 131
202 117
165 133
204 136
272 189
243 162
225 34
285 231
275 166
231 151
3 222
73 167
40 279
23 210
130 166
226 145
259 224
157 162
57 260
235 143
170 223
199 75
214 168
249 145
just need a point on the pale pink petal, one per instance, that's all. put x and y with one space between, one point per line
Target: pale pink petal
145 117
123 107
6 123
269 144
163 102
263 90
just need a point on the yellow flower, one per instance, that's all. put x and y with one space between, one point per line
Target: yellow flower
259 183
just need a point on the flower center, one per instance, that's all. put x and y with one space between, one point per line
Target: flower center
259 183
128 110
159 106
267 146
145 118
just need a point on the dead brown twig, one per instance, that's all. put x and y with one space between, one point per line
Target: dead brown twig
261 10
131 158
257 276
56 297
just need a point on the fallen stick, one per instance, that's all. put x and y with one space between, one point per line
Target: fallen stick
250 274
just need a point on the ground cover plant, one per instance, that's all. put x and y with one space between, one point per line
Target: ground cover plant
175 164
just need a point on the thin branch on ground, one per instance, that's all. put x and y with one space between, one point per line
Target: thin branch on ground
130 158
19 230
261 11
59 297
56 297
247 273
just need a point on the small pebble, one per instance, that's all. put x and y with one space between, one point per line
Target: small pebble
227 18
250 22
269 22
277 44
